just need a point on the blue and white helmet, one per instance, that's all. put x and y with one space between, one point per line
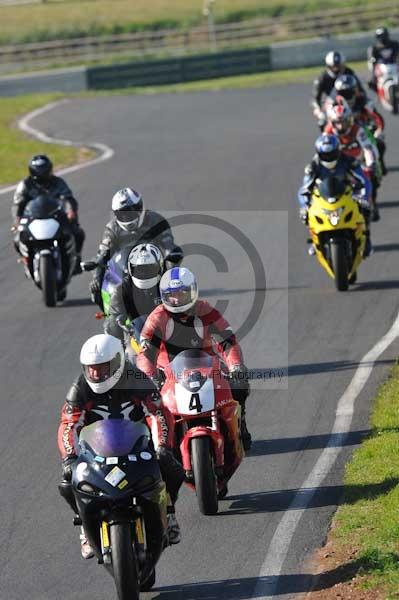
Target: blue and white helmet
178 289
327 148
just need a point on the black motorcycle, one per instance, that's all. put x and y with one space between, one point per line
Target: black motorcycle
47 247
121 499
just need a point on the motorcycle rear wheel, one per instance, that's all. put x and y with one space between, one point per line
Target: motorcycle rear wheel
204 475
393 98
124 562
339 266
47 280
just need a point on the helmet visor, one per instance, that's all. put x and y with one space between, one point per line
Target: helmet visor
145 271
129 214
330 156
177 298
97 373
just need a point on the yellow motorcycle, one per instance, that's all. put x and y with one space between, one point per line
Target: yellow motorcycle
338 231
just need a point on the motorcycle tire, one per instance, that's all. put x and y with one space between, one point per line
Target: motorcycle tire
393 98
339 266
124 562
48 280
145 587
204 475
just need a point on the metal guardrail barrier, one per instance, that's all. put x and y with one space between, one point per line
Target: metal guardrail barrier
180 70
177 42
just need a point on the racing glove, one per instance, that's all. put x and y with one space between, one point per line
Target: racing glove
303 215
67 464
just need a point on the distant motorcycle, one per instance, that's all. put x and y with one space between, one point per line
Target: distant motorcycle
207 424
121 499
388 86
338 232
47 247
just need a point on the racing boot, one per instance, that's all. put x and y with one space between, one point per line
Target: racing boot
368 248
245 435
85 548
173 531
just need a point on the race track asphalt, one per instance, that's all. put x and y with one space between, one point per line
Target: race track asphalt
237 156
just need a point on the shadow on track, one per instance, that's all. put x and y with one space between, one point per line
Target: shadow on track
235 589
386 247
240 589
223 292
393 204
392 284
329 367
310 442
281 500
78 302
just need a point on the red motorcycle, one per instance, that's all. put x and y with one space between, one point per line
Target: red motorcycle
388 86
207 424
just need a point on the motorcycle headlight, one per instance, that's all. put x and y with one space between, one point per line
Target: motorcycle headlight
87 488
334 216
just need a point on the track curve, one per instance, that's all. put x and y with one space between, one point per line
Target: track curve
220 152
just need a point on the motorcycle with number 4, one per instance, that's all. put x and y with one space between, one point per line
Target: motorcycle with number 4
47 247
207 424
388 86
338 231
121 500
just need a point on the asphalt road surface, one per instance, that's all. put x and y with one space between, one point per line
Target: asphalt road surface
237 156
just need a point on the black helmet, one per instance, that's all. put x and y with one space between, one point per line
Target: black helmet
346 86
40 168
382 35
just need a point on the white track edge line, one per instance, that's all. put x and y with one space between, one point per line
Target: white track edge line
279 546
104 152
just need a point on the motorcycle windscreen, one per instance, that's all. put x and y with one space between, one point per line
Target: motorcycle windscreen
190 360
117 266
331 188
44 229
113 437
42 207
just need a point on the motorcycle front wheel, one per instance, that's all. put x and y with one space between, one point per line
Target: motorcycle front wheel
47 280
339 265
204 475
124 562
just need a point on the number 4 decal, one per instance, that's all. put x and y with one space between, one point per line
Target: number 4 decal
195 403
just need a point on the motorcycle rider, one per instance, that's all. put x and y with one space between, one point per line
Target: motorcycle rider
110 388
363 111
132 224
354 142
183 321
41 180
329 161
138 294
324 84
385 51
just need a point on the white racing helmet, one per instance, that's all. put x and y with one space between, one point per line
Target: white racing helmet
128 208
145 265
335 62
103 359
179 290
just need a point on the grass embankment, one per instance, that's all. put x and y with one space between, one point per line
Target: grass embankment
365 532
75 18
16 148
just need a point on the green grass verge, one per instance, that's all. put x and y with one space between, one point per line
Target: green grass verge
17 148
72 18
369 518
